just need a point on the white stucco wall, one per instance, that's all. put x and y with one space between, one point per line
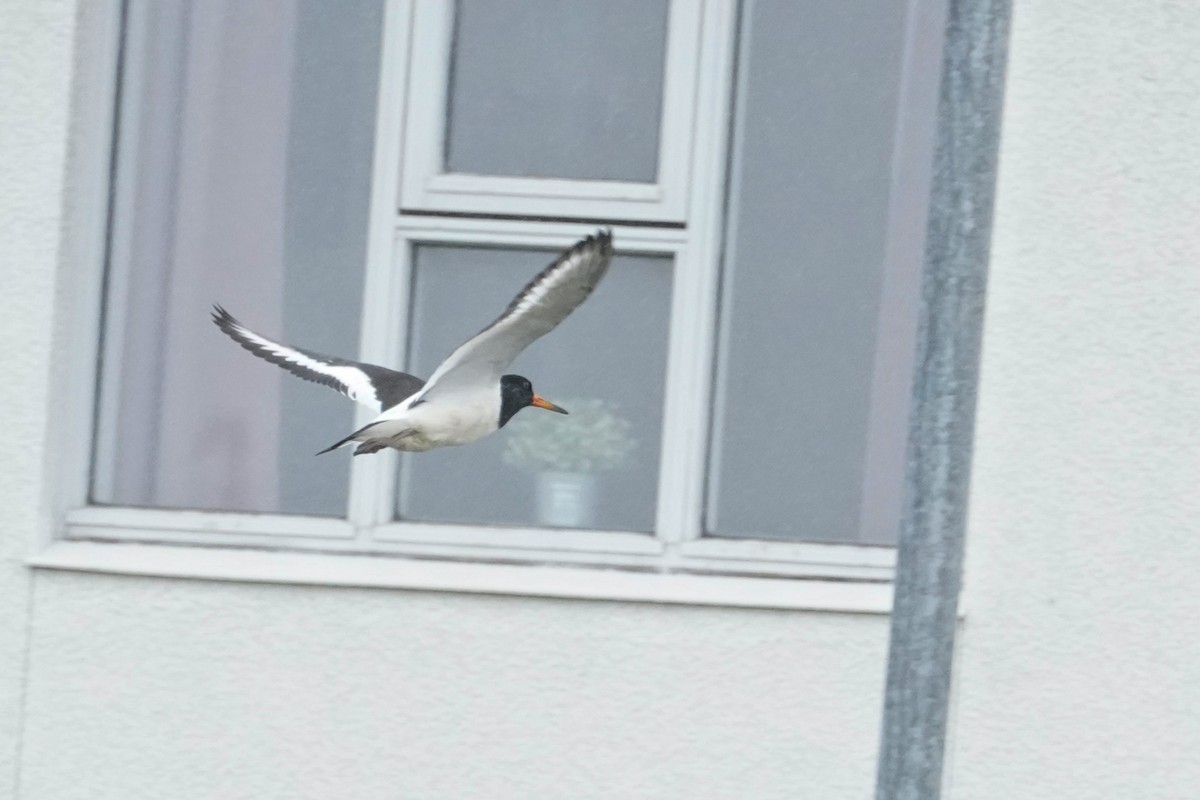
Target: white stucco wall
1080 656
1077 658
35 59
159 688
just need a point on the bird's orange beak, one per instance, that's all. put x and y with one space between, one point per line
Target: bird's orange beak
542 402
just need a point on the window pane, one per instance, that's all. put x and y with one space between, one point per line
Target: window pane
555 89
823 252
545 469
243 169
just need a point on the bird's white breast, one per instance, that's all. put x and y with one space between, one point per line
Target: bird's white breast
443 422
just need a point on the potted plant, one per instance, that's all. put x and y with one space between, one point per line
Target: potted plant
566 453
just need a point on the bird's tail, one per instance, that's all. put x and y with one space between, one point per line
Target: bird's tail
351 438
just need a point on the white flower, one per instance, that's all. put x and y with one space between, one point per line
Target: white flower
592 438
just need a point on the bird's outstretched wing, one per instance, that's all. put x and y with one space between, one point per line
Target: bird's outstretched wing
544 302
377 388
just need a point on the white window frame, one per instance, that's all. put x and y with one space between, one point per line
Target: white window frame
676 564
425 186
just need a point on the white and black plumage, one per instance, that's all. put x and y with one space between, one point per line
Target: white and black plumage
468 396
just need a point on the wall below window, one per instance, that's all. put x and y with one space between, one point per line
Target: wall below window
186 689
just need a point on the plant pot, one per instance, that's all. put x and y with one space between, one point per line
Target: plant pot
566 499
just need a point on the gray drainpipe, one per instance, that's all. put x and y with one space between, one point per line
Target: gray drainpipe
929 564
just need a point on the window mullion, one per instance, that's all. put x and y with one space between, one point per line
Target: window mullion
684 63
385 289
694 306
384 324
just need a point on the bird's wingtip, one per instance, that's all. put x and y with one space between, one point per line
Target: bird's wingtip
603 238
224 320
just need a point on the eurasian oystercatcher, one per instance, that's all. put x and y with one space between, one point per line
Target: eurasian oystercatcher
468 396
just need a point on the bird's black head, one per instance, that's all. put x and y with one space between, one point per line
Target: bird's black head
516 393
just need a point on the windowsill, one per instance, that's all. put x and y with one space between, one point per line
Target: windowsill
390 572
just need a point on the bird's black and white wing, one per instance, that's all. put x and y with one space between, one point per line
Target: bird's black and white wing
544 302
377 388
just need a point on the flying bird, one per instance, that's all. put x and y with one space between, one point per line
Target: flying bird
468 396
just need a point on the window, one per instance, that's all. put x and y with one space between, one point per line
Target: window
378 180
242 176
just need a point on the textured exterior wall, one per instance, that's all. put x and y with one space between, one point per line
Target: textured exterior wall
35 61
147 688
1079 653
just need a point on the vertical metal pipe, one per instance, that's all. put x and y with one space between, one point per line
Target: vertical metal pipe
929 565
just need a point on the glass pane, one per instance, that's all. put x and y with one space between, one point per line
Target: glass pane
598 467
555 89
243 173
821 269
